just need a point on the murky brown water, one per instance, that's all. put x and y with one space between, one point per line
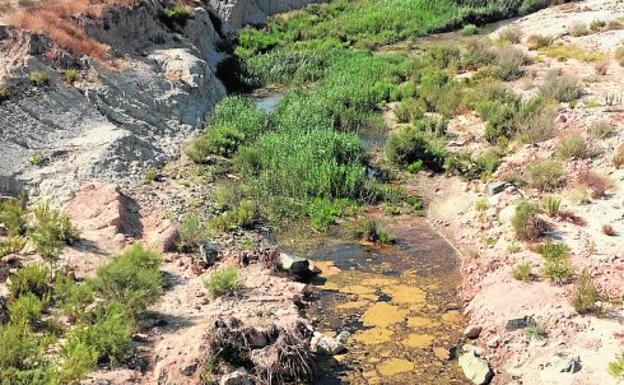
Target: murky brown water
399 304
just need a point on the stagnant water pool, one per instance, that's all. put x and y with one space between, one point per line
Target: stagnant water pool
398 302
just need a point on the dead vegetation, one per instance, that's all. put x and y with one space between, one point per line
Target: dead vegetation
57 21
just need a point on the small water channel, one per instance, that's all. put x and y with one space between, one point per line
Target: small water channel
398 302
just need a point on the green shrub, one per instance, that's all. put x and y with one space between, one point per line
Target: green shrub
477 53
585 294
39 78
441 92
546 175
597 25
370 231
132 278
177 14
510 63
409 111
325 212
150 176
193 231
242 215
32 279
106 335
12 216
464 164
37 160
70 75
560 87
220 140
552 205
224 281
574 146
535 332
469 29
522 271
71 296
526 224
409 144
12 245
535 121
619 55
78 360
498 106
55 223
21 357
616 367
25 310
553 251
558 271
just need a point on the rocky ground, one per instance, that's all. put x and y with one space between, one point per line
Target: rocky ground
577 348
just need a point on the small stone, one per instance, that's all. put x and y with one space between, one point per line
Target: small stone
493 342
473 332
326 345
209 253
496 187
237 377
570 365
119 237
343 336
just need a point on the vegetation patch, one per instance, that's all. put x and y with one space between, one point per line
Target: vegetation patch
224 281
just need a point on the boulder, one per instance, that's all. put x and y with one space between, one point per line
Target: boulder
209 253
519 323
497 187
237 377
343 336
475 368
325 345
297 266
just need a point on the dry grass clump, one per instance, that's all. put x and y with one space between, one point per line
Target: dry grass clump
596 184
601 67
546 175
608 230
511 34
55 19
574 145
585 295
618 158
619 55
601 129
578 29
535 42
569 216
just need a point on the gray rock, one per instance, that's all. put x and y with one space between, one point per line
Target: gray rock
325 345
189 370
237 377
519 323
475 368
570 365
343 336
209 253
496 187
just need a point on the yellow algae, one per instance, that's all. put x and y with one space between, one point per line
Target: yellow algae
374 336
452 316
421 323
330 286
328 268
352 305
405 294
394 366
369 374
380 282
357 289
418 341
383 314
441 353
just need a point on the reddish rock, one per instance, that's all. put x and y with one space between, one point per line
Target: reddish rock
98 206
159 234
473 332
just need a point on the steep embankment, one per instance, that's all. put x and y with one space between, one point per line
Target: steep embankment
65 119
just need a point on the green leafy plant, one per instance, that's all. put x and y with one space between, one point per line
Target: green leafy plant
12 245
553 251
224 281
175 15
25 310
193 231
616 367
558 271
370 231
241 215
151 176
37 160
70 75
409 145
12 216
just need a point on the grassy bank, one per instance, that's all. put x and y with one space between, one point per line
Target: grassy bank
306 159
